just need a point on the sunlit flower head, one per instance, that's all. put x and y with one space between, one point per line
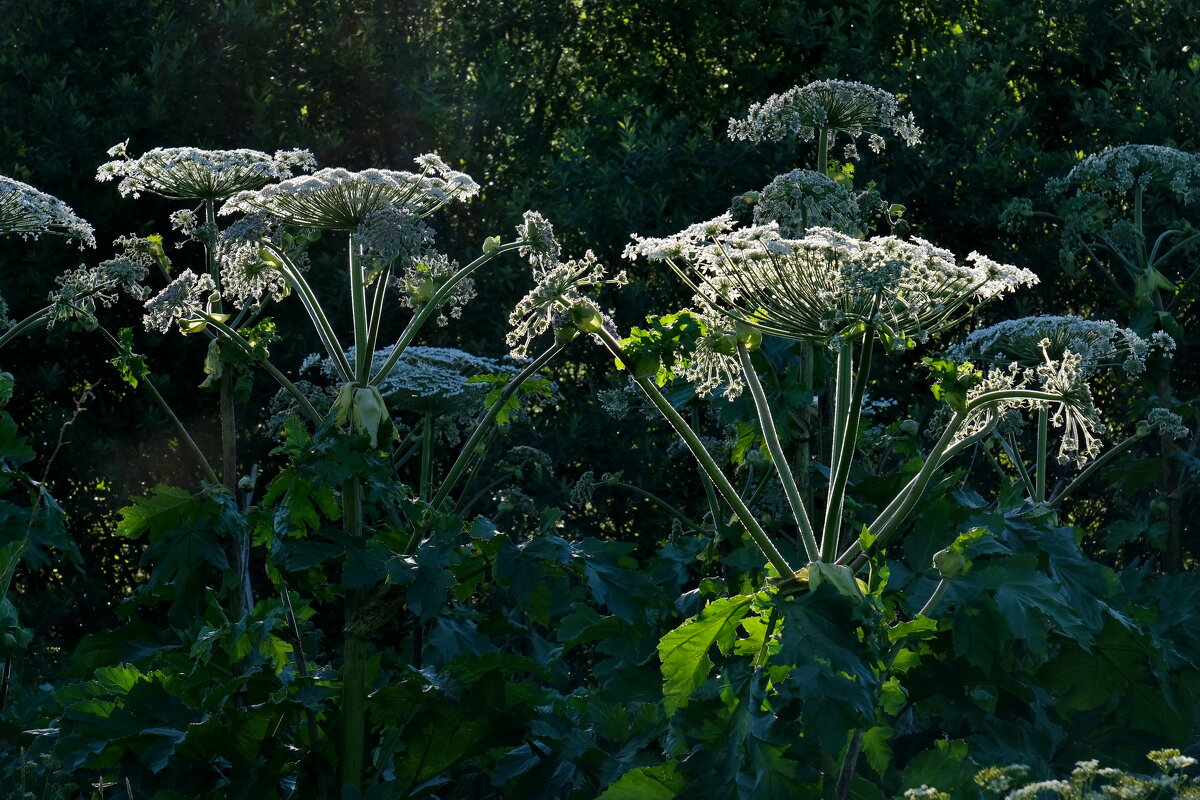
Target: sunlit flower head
245 277
828 284
836 106
29 213
337 199
189 173
559 286
803 199
1119 170
180 301
1072 410
1029 340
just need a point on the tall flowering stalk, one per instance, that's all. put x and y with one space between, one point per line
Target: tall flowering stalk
389 256
206 177
1128 214
847 296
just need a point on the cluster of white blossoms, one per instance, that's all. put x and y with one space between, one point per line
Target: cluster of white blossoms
82 290
189 173
180 301
836 106
1028 341
337 199
803 199
1120 170
827 284
558 285
29 213
245 277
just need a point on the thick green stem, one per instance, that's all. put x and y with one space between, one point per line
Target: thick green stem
358 313
316 314
354 694
707 463
35 320
849 413
247 348
426 455
484 425
782 467
935 598
1039 489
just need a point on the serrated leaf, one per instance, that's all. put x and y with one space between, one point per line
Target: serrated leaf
684 651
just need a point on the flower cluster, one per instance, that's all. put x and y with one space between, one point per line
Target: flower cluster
1028 341
712 364
1089 781
189 173
337 199
435 380
836 106
29 213
1063 377
179 301
803 199
828 284
558 285
1120 170
245 277
421 281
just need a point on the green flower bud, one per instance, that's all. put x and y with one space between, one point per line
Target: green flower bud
749 336
950 563
189 326
726 344
490 245
369 412
586 317
909 427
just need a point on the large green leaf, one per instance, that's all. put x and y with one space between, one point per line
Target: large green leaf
661 782
684 651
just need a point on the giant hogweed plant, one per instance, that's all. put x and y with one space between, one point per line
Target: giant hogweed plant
1127 215
854 298
255 261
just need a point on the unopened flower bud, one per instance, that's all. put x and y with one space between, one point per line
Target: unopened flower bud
490 245
950 563
586 317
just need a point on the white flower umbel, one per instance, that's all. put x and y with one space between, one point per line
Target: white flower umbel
828 284
181 301
337 199
29 213
803 199
830 106
1029 340
189 173
1121 170
559 285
